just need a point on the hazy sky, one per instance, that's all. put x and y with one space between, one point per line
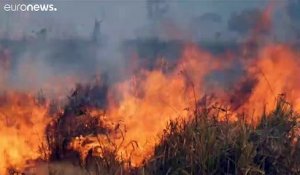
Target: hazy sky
122 18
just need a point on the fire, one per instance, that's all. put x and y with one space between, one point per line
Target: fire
22 125
146 103
139 109
276 72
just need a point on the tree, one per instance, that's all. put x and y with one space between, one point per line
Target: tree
97 31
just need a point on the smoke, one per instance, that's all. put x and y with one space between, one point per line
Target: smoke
53 52
57 50
245 21
293 12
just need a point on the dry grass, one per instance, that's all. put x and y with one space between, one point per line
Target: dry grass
204 145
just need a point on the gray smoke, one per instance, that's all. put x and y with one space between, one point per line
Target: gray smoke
85 38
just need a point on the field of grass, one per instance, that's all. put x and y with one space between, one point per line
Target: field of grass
206 146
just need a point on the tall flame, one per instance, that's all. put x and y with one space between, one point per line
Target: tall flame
22 125
146 103
276 71
138 109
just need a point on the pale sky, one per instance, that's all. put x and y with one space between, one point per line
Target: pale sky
122 18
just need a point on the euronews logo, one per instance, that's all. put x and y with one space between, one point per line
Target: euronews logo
29 8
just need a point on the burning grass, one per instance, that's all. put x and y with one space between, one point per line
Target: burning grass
162 122
201 145
79 140
204 145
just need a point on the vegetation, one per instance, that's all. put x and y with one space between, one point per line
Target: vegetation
204 145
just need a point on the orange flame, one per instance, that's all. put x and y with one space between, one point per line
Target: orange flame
147 102
276 70
22 125
140 108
